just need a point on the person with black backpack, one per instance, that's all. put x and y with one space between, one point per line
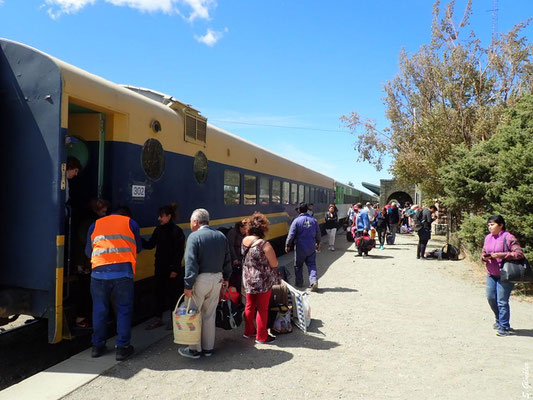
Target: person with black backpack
381 227
423 221
394 220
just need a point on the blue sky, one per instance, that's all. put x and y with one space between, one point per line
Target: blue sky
277 73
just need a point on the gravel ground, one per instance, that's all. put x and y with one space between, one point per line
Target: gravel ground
386 326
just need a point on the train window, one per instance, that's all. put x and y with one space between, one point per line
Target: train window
200 167
264 190
276 191
307 195
250 189
301 193
232 187
153 159
286 193
312 195
294 193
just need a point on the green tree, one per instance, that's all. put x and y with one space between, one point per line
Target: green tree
495 177
452 91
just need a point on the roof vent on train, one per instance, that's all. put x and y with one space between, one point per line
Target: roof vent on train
195 124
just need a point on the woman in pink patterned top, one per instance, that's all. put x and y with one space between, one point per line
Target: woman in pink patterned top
499 246
258 275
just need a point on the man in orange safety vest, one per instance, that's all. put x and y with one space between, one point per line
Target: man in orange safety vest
112 245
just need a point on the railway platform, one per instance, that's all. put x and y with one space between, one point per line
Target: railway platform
386 326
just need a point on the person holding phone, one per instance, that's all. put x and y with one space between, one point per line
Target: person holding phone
499 246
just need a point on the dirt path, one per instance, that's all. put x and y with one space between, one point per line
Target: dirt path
386 326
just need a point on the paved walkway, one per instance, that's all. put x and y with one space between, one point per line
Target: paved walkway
386 326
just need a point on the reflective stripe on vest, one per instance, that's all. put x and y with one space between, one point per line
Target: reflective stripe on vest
113 242
111 237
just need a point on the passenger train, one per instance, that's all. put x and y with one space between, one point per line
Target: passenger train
138 148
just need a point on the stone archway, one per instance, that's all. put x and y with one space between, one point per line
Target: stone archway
391 190
400 197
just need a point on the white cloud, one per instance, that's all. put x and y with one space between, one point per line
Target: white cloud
211 37
196 8
59 7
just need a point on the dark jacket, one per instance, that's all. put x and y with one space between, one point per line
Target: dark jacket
331 220
169 242
394 216
304 233
426 218
235 242
207 251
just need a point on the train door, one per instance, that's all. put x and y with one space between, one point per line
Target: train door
86 142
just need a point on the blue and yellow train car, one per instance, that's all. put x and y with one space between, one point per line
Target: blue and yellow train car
138 148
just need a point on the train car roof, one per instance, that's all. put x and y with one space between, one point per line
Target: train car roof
157 99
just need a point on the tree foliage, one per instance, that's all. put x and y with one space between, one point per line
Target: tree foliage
452 91
495 177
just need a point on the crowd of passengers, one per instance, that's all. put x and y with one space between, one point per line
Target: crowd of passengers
211 260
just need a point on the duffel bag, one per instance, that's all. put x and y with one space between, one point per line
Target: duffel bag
228 314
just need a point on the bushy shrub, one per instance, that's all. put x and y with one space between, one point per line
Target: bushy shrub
495 177
472 233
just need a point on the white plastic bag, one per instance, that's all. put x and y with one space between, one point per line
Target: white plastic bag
301 309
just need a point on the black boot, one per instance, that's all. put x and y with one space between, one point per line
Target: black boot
124 352
98 351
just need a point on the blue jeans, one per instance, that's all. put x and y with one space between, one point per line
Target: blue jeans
310 261
498 294
122 291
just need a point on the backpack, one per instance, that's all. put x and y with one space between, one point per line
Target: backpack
450 252
365 243
279 295
381 221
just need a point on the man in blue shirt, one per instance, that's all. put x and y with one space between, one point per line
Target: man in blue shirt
362 221
304 233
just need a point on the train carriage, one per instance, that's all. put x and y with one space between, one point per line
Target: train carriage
138 148
346 196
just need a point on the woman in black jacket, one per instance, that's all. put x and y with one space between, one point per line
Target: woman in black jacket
169 241
331 226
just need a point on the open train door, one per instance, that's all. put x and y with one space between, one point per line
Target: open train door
32 154
86 142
